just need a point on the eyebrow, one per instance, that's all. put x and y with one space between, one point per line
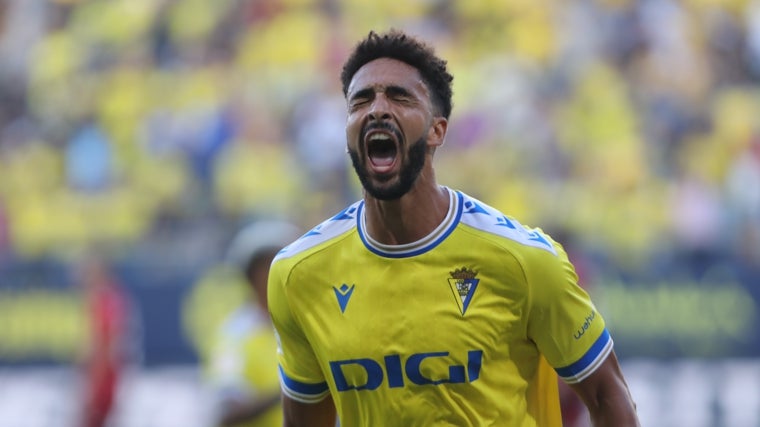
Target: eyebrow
362 93
391 90
397 90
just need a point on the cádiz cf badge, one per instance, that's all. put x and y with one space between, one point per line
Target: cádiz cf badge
463 284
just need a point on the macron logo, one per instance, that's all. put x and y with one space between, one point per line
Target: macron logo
343 295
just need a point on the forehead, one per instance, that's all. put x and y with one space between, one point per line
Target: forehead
384 72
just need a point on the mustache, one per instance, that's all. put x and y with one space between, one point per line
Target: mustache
381 126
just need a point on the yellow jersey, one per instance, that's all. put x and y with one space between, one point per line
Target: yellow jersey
456 329
243 365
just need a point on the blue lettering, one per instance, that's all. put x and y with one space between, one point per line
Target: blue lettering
474 362
373 369
393 367
579 333
412 369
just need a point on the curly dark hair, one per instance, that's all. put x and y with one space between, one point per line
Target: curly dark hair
405 48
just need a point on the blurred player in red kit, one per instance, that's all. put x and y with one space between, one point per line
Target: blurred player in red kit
107 309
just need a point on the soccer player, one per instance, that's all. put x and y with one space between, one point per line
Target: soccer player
243 365
109 311
420 305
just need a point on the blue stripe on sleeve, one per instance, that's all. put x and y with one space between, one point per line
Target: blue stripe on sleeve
600 349
300 388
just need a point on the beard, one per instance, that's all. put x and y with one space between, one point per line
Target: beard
407 176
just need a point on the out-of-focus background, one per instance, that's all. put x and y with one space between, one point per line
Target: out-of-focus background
136 136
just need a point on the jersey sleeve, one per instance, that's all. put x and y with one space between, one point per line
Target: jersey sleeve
563 322
301 377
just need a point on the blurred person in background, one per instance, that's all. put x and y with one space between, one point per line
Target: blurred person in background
420 305
108 314
5 239
243 364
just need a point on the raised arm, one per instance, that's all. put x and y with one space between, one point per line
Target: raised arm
606 396
299 414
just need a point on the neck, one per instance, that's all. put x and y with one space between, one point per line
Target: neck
408 219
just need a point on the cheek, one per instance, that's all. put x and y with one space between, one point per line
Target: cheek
417 131
350 140
352 134
416 124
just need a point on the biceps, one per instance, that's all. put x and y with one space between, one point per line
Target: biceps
299 414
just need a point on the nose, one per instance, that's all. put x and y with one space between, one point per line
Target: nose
380 108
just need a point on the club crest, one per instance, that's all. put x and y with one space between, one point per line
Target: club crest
463 284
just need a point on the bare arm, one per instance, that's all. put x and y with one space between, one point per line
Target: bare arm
298 414
606 396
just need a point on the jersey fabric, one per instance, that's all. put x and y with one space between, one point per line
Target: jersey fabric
456 329
244 362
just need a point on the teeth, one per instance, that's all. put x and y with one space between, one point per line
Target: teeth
379 137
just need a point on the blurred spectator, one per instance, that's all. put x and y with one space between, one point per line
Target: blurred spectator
89 160
744 200
5 238
697 223
752 19
243 363
318 133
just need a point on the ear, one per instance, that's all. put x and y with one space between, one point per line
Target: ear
437 131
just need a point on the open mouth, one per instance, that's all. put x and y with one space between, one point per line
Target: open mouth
381 150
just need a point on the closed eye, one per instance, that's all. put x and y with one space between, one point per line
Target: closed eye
360 97
394 93
397 93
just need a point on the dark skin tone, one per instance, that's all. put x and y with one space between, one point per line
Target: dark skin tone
606 396
237 413
393 92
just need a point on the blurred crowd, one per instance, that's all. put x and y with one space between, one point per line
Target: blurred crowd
630 130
